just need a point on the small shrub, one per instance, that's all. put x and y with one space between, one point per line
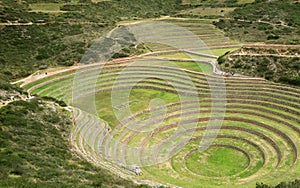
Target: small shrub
273 37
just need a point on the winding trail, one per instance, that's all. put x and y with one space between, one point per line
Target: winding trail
47 23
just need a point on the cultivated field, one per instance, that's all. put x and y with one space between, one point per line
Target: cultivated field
258 140
212 37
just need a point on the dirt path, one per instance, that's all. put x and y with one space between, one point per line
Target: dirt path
260 21
245 52
48 72
46 23
267 55
85 23
263 45
21 97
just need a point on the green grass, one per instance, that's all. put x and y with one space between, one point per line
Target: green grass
205 171
97 1
183 55
143 97
206 11
46 7
245 1
217 162
193 66
140 100
195 173
179 55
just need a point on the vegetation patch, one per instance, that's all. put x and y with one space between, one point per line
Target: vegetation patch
205 12
216 3
46 7
275 64
217 162
264 21
35 149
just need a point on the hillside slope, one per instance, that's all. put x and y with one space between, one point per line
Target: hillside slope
273 21
35 150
